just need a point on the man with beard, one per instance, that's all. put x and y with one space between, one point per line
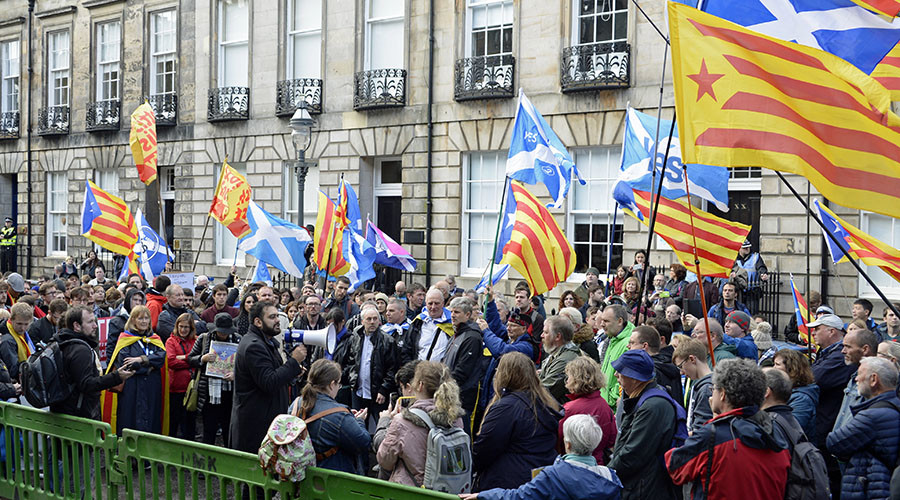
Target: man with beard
646 338
341 299
557 342
44 329
261 379
176 305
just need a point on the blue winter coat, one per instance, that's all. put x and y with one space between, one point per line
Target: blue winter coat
496 342
342 430
511 442
564 480
803 402
831 375
745 347
869 442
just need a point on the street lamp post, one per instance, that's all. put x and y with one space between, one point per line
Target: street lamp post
301 134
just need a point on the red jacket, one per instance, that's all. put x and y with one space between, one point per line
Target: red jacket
179 369
591 404
750 459
155 303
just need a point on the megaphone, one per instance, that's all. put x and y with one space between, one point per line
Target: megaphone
326 337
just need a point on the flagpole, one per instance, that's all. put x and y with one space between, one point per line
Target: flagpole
687 187
497 235
162 211
654 210
809 346
609 252
840 244
200 245
208 215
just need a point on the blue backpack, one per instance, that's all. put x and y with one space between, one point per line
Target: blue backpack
681 431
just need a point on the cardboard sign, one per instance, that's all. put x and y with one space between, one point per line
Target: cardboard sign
102 333
184 280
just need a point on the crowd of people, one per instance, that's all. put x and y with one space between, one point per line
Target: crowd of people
613 393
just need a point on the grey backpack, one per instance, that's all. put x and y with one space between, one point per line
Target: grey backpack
448 462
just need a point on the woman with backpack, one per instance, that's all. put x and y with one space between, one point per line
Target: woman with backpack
518 433
338 435
404 449
178 347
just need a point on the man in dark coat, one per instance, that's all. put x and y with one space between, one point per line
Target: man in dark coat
464 355
374 364
340 299
44 329
176 305
261 379
78 342
646 431
311 319
668 377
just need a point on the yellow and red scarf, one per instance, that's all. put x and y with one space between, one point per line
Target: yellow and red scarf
111 399
23 346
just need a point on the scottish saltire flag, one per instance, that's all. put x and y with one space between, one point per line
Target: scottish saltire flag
360 254
152 249
387 251
707 182
261 273
506 225
499 274
275 241
842 27
536 155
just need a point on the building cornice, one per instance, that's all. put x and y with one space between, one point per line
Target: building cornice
12 22
56 12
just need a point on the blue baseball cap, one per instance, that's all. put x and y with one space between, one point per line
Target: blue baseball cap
635 364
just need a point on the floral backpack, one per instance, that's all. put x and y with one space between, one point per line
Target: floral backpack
287 451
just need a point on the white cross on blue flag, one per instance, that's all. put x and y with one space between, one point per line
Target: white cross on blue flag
275 241
537 155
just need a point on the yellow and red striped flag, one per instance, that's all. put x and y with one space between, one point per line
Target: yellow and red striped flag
748 100
143 142
856 244
889 8
801 313
107 221
718 240
231 201
887 72
537 248
329 239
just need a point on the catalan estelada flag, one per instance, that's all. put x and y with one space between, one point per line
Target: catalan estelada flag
887 72
231 201
889 8
801 311
855 244
748 100
143 142
329 240
718 239
537 248
107 221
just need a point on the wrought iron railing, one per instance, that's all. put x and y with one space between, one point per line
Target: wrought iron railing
485 77
380 88
53 120
9 125
103 116
228 103
290 93
165 107
603 65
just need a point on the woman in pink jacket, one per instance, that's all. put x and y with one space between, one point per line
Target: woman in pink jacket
584 379
404 447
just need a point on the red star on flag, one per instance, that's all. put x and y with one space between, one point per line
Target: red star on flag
705 80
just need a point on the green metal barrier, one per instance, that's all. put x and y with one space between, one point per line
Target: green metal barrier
45 453
50 456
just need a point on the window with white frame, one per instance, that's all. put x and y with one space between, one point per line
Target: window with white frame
109 47
489 27
304 43
58 68
310 196
9 51
591 210
482 187
599 21
887 230
234 46
57 192
167 181
385 45
108 180
226 243
162 52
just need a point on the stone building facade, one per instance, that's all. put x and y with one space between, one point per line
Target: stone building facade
225 76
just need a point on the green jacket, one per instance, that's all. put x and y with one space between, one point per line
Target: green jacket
723 351
617 346
553 370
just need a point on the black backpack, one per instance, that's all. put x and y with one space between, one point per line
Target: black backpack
808 475
44 381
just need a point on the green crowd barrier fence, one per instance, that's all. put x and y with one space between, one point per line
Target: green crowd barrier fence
51 456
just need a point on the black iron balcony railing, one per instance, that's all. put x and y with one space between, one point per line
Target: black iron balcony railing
228 103
165 107
53 120
380 88
596 66
9 125
103 116
290 93
485 77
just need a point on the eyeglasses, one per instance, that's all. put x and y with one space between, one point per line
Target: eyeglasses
679 365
